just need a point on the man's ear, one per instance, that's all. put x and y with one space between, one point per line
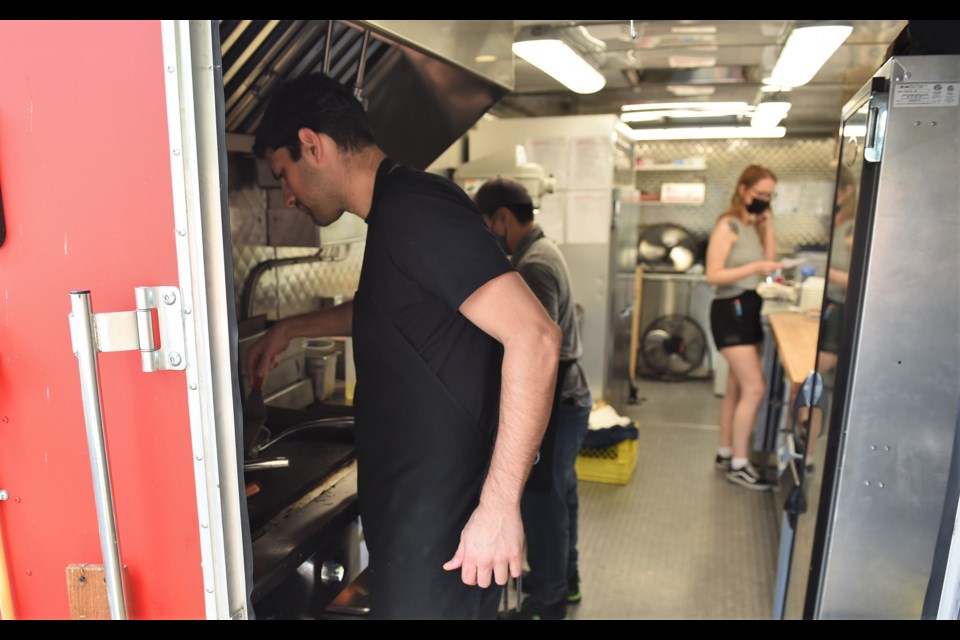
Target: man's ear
309 143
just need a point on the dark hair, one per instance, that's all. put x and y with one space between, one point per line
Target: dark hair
317 102
505 192
750 176
522 212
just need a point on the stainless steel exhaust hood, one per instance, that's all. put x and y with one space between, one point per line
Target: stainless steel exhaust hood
425 82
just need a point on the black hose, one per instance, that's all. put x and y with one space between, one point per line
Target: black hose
341 422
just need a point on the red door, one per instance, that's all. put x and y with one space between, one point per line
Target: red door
85 181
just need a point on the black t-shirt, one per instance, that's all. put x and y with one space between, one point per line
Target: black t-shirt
428 390
427 250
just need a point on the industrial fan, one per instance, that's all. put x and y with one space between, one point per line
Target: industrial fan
667 247
673 346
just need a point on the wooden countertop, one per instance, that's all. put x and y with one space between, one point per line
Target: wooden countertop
796 337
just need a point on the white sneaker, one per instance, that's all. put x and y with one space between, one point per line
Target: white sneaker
748 477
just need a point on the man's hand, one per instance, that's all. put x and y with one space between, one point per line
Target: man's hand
264 355
491 545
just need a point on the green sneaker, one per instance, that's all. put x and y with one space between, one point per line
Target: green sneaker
573 590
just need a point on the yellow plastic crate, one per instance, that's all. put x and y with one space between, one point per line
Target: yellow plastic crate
613 465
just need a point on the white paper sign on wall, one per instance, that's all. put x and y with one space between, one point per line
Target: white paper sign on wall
683 192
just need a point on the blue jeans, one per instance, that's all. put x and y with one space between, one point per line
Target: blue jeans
550 519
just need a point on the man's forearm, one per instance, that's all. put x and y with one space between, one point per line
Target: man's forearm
337 321
526 399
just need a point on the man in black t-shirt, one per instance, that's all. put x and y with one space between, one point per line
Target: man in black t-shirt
455 358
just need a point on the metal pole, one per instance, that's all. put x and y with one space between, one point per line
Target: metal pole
83 335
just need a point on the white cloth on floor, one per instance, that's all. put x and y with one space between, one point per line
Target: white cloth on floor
605 417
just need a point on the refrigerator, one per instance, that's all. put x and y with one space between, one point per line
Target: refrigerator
869 491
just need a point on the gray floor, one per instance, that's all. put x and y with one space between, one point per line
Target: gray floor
677 541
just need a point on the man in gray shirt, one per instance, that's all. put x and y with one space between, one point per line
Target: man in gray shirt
550 504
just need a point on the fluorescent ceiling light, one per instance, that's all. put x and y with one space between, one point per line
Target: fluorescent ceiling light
807 48
557 59
550 52
769 114
695 29
704 133
656 106
649 116
691 62
684 90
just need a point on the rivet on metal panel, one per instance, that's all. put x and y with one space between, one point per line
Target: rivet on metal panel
171 68
187 310
193 386
17 499
880 484
176 152
203 525
174 359
917 123
3 494
199 456
209 589
6 419
181 232
169 297
866 483
898 78
873 447
29 572
907 74
887 448
933 124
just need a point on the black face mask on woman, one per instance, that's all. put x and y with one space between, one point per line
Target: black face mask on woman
758 206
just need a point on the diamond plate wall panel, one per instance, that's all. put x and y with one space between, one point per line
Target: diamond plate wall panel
297 288
248 204
794 162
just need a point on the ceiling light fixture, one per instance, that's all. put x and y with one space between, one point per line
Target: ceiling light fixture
809 46
648 116
706 105
570 56
769 112
686 90
705 133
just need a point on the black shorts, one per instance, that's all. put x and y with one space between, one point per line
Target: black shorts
735 321
831 319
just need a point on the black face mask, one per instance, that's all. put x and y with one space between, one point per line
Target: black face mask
502 241
758 206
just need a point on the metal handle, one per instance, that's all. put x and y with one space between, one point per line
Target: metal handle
276 463
85 348
876 126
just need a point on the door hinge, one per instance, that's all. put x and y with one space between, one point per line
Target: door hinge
135 330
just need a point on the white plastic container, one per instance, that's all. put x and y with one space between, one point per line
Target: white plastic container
321 365
811 294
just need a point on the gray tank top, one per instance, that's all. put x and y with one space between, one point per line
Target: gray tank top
746 248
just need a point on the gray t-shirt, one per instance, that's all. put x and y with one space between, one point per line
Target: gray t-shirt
746 248
542 266
840 258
